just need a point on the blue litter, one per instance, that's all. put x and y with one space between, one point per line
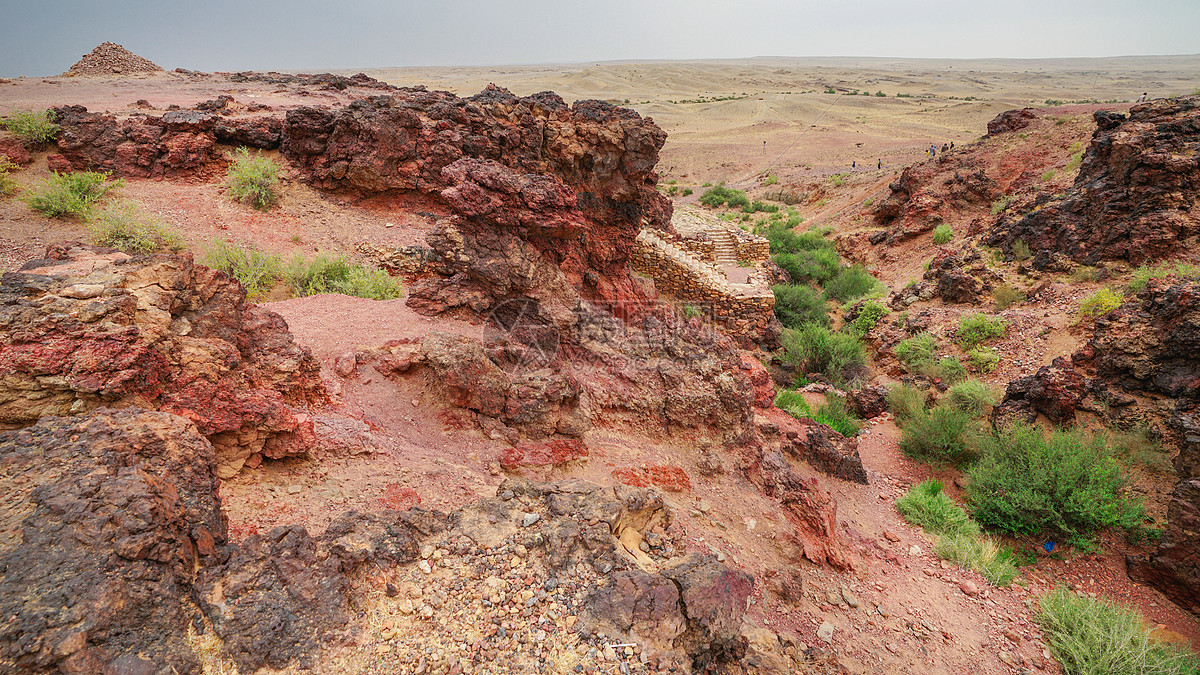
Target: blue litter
1049 546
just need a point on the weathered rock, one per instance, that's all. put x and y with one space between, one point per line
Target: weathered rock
1134 197
961 276
110 58
116 511
14 150
1010 120
869 401
87 328
1055 391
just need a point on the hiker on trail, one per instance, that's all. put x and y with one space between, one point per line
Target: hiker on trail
880 166
853 165
933 150
1142 99
945 147
951 145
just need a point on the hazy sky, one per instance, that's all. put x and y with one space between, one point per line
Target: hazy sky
44 37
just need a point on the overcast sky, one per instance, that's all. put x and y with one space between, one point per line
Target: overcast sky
44 37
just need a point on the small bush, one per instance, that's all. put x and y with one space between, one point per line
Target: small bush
1100 303
1085 274
959 538
1006 295
833 414
1065 485
687 191
34 128
852 282
1020 250
941 435
926 506
942 234
72 194
324 274
8 186
255 270
976 328
983 359
792 402
797 305
972 397
783 239
126 227
921 348
1000 204
253 179
815 349
906 402
806 266
868 316
1098 637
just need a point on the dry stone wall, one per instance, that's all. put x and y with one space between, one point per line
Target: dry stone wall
745 313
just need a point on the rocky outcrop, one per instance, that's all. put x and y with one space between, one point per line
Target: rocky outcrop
1135 196
92 327
1010 120
960 276
927 194
176 143
1055 391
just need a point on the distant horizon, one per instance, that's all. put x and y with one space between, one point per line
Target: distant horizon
46 38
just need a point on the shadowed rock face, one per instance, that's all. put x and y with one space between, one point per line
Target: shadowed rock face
1136 193
91 327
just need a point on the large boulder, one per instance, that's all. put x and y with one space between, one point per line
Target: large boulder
89 327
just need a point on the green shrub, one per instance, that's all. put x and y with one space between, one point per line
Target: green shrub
868 316
906 402
815 349
983 359
920 348
8 186
833 414
255 270
806 266
783 239
1000 204
797 304
792 402
1065 485
33 127
1085 274
1006 295
942 234
770 180
324 274
1020 250
687 191
850 283
959 538
126 227
1098 637
972 397
976 328
1100 303
253 179
940 435
72 194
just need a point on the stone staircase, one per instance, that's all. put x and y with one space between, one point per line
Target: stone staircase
724 246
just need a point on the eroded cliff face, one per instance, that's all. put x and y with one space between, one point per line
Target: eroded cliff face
1135 195
91 327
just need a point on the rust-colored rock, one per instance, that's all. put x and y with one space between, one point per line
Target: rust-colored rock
91 327
1055 391
110 58
1010 120
1134 197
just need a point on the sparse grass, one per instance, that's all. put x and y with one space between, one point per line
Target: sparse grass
983 359
1067 485
253 179
906 402
798 304
941 435
33 127
1100 303
1006 295
770 180
1142 275
1049 175
852 282
1099 637
942 234
813 348
946 369
972 397
1000 204
1137 448
686 192
921 348
690 311
336 274
832 413
255 270
974 329
126 227
72 195
1085 274
959 539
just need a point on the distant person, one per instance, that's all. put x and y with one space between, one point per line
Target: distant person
951 145
945 148
1142 98
880 165
853 165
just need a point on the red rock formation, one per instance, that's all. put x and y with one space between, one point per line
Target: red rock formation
89 328
1010 120
1135 196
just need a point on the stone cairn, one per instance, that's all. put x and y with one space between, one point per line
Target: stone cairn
110 58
